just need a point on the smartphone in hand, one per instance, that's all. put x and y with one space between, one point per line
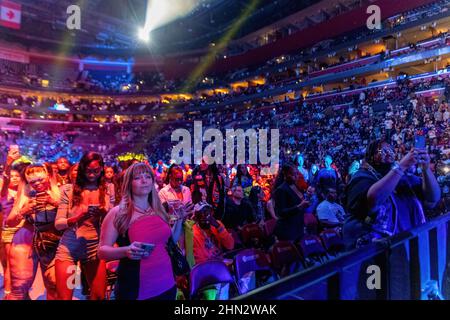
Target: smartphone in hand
419 141
148 247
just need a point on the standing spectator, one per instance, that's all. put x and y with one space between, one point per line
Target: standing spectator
140 226
327 176
301 169
258 204
83 206
382 200
62 174
290 206
37 202
175 191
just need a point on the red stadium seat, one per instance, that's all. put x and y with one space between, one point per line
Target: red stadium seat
285 258
312 249
332 241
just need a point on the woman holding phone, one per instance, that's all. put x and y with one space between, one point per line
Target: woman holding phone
81 210
140 226
37 202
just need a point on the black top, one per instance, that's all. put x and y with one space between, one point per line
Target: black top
290 225
237 215
400 212
127 286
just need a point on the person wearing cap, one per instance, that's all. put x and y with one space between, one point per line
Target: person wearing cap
211 238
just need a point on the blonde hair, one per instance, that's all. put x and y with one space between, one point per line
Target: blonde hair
24 190
126 206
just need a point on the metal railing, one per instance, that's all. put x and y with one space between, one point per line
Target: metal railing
406 262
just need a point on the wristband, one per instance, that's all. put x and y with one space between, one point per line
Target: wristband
397 169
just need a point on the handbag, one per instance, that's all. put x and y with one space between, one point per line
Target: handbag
179 262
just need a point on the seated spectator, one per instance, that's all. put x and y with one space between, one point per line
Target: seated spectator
238 210
329 212
211 238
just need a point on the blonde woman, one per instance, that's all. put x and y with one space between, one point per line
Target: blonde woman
37 203
140 226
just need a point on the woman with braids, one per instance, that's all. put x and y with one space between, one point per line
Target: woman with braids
140 226
37 203
82 208
383 200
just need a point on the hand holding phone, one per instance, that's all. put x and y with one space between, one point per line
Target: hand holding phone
148 247
419 141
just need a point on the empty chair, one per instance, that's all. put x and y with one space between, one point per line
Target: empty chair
312 249
332 241
269 227
252 235
208 273
251 260
285 258
311 223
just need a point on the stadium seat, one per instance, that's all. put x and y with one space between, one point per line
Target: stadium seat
252 235
332 241
312 249
251 260
111 277
285 258
209 273
269 227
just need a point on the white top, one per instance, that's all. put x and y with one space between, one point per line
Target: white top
168 194
332 212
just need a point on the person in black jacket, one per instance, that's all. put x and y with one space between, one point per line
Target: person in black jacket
290 206
238 209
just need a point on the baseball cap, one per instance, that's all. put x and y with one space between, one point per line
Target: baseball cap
201 205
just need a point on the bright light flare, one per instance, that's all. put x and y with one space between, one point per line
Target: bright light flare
161 12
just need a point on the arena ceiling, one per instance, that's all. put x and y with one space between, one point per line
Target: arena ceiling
113 24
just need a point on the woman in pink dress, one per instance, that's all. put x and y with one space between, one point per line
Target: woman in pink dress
140 227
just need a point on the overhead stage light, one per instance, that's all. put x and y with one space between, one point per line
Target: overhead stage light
144 35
